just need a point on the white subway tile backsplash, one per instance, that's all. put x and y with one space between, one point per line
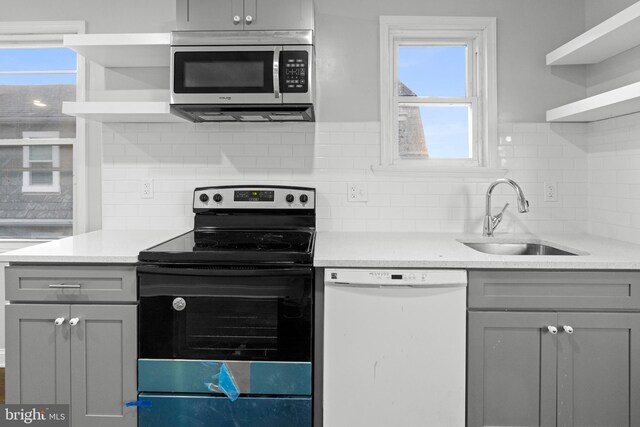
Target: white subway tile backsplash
614 178
327 156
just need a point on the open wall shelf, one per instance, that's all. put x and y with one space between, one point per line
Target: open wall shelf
122 50
617 34
617 102
134 50
129 112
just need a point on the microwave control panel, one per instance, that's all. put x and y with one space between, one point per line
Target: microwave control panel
295 78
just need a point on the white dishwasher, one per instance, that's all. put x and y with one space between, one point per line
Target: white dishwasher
394 348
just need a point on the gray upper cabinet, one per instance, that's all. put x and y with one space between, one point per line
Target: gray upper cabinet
237 15
571 363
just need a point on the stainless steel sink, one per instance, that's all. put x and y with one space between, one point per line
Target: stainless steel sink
523 248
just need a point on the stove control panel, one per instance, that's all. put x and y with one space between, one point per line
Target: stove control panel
253 197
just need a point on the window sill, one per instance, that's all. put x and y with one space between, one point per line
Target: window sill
469 173
41 189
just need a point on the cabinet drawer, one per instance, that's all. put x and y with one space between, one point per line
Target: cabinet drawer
70 283
597 290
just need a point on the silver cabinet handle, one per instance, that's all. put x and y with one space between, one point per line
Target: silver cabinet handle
249 19
236 19
74 321
276 71
59 321
568 329
552 329
66 286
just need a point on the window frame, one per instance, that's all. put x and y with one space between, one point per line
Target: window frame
479 35
27 185
44 34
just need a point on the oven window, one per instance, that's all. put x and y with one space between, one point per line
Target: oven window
226 318
223 72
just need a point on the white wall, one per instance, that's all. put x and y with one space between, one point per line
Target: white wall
614 144
342 146
328 156
347 45
347 52
597 11
614 178
622 69
113 16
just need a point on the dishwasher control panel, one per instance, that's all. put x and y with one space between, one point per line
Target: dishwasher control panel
390 277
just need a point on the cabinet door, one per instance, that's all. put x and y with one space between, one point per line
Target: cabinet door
210 14
278 14
37 369
599 370
511 369
103 365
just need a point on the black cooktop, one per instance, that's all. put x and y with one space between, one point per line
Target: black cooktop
235 247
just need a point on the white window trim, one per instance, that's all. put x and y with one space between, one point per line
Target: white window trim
27 187
482 29
50 34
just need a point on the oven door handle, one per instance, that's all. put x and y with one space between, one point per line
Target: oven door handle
226 272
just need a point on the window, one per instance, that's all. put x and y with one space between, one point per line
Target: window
41 164
438 93
37 141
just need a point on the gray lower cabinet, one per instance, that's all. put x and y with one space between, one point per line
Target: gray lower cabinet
511 378
599 369
38 354
552 367
84 355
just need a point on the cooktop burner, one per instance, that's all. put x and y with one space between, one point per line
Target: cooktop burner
252 240
236 246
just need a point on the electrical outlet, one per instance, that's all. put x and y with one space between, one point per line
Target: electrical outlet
146 189
550 191
357 192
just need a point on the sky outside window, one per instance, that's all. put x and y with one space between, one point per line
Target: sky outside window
438 71
434 70
447 131
37 59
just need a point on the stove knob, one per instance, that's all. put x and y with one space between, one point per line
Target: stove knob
204 198
304 198
289 198
217 198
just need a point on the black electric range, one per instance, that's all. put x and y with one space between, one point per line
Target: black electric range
227 313
244 225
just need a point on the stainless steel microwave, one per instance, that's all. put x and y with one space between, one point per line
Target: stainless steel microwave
242 76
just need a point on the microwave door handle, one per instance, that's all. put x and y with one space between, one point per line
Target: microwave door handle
276 71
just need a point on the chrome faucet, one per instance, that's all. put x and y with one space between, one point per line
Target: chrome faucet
490 221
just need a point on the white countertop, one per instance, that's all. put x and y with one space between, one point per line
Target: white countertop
103 246
443 250
372 250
